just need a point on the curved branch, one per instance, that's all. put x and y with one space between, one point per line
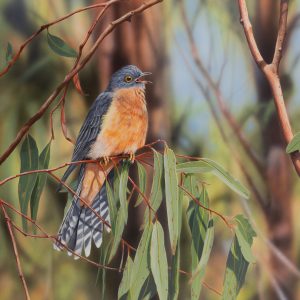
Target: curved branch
271 70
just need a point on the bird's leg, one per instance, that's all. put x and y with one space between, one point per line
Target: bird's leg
104 160
132 157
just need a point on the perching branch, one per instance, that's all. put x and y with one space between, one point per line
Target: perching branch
271 70
22 132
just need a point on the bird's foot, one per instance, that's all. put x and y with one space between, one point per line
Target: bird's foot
131 157
104 160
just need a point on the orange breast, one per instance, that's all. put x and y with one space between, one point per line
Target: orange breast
125 125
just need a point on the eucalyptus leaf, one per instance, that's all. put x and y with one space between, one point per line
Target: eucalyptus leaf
294 144
206 165
44 159
156 194
141 264
159 263
125 282
9 52
142 183
29 156
171 189
59 46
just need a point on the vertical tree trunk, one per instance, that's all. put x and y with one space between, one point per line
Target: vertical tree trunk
278 208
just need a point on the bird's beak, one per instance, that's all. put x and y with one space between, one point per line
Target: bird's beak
141 80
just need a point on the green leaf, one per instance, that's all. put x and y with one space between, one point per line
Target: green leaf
245 233
199 224
141 264
209 166
159 264
156 194
111 206
59 46
125 282
294 144
199 272
40 181
175 263
171 188
29 161
174 275
9 51
123 191
119 228
142 183
237 265
148 290
103 260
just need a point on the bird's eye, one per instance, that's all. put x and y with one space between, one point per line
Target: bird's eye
128 78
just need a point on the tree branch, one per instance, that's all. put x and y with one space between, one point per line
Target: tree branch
271 70
16 253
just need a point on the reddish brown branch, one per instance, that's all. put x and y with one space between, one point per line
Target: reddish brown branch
16 253
46 26
52 97
219 97
271 70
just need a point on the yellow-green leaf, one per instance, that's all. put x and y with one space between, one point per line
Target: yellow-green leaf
159 264
294 144
171 189
206 165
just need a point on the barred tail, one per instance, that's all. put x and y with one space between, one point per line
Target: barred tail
81 225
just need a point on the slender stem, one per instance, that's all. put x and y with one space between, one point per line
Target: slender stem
16 253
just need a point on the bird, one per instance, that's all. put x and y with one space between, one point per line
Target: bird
116 124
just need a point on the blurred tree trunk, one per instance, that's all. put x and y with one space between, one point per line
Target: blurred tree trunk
278 207
140 43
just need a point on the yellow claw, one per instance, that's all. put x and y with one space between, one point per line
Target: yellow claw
104 160
132 157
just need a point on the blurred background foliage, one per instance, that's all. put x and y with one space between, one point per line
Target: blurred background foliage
157 41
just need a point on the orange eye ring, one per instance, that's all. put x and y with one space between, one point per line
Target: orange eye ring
128 78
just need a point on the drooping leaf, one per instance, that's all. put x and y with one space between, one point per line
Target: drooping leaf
174 275
206 165
245 233
237 265
112 205
141 264
59 46
171 189
159 264
294 144
199 272
103 260
40 181
77 84
175 262
156 194
123 191
119 228
142 182
9 51
125 282
148 290
29 161
198 222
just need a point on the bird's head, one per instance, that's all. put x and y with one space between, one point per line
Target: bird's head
128 77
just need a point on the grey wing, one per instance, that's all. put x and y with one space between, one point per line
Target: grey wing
89 130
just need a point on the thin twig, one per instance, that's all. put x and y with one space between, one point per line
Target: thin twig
16 253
